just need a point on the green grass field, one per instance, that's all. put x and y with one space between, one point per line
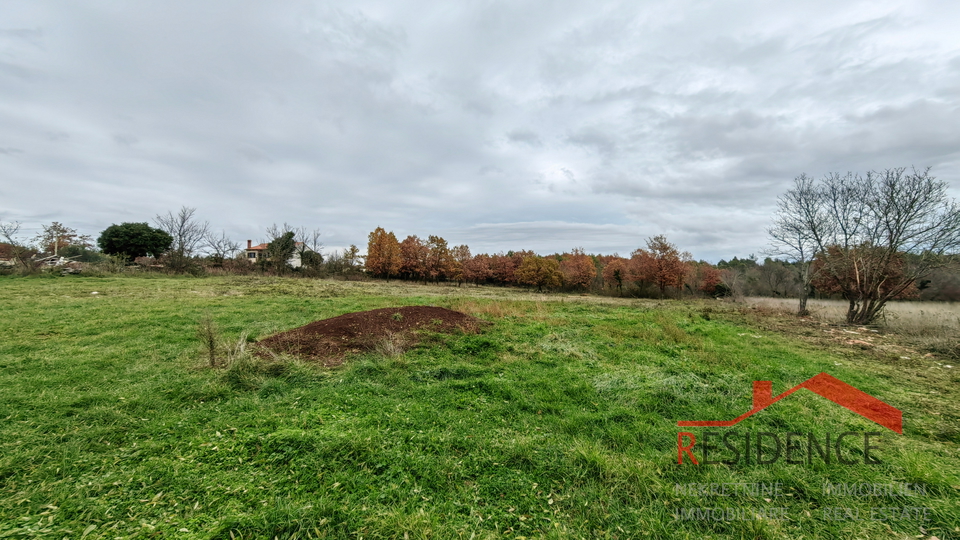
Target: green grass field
558 421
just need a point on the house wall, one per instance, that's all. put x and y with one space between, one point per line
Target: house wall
295 261
256 255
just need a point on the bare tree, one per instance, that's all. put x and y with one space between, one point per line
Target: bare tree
57 236
861 229
798 230
352 258
220 247
9 230
188 235
346 262
304 245
280 248
19 251
277 231
776 277
734 280
335 263
308 247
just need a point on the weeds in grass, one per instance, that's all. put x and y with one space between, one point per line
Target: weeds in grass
111 265
266 372
499 309
391 345
242 369
209 336
673 332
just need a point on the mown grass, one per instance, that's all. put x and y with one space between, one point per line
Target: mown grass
558 421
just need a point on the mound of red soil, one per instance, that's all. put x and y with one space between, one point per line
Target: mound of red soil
328 340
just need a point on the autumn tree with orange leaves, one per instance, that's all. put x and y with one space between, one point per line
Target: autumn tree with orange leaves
476 269
440 261
852 273
413 258
461 256
502 268
383 254
661 264
640 268
710 280
578 269
615 273
540 272
702 277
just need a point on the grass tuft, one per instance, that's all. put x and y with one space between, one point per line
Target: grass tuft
392 345
209 336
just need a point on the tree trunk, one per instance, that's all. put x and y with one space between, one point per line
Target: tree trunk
805 279
802 311
867 312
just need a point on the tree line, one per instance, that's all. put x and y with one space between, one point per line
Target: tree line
660 268
178 242
867 239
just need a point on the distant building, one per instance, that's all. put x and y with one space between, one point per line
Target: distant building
257 253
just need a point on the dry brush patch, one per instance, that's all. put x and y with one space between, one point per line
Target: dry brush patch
911 328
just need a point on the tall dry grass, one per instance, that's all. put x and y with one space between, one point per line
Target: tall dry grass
932 326
498 309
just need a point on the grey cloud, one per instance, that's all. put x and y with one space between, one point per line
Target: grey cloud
729 52
490 170
125 139
632 93
594 139
847 41
254 155
18 71
480 107
638 118
30 35
525 136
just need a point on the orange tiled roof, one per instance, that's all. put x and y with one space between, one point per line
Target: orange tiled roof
263 247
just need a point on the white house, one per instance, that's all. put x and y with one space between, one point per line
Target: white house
256 253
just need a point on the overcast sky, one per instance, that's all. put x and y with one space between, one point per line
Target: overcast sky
541 125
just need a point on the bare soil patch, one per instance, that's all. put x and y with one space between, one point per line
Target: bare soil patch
328 341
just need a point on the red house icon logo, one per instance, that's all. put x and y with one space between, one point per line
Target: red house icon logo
826 386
